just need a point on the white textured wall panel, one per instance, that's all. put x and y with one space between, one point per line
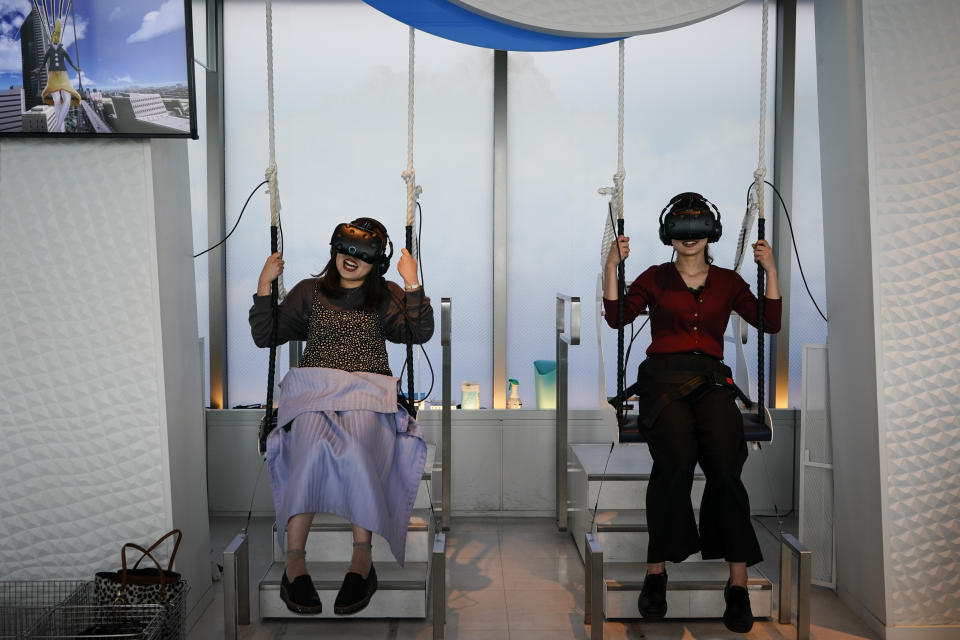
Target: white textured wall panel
912 70
852 366
80 379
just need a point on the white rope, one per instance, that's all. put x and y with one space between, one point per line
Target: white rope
755 196
271 173
616 191
760 174
620 174
409 175
745 228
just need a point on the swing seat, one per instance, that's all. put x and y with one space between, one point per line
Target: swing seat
754 429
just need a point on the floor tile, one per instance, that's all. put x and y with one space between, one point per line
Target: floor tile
477 609
553 609
543 573
513 578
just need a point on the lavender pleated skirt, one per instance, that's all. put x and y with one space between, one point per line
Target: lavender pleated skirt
351 450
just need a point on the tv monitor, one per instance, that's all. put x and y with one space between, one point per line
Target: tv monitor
88 68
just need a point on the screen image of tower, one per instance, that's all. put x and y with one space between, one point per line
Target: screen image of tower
97 67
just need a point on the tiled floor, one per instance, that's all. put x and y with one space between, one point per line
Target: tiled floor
512 578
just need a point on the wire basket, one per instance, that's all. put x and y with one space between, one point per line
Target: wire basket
23 602
174 626
174 621
136 622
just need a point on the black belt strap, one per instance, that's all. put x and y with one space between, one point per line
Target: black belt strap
687 382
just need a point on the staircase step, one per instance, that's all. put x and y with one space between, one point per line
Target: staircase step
331 539
428 465
627 462
694 590
621 520
402 591
621 483
623 536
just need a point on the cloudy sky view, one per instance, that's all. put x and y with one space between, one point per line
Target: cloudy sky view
121 42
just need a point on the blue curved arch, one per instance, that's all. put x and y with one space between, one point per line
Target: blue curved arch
446 20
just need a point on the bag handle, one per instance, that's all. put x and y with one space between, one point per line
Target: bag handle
123 572
176 546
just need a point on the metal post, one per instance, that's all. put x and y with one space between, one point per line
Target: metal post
564 340
236 585
593 587
789 547
499 230
779 368
786 561
216 202
446 472
438 584
296 351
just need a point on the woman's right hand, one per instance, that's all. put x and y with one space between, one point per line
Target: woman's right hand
272 269
613 256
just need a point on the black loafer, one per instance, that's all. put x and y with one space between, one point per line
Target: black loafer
355 593
300 595
653 596
738 617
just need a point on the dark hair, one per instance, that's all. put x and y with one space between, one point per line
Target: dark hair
374 286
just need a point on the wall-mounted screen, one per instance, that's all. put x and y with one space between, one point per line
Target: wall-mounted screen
78 68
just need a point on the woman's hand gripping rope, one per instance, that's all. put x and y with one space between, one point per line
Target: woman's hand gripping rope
407 268
272 269
763 255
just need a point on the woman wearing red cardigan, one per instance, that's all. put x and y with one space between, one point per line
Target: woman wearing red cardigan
690 301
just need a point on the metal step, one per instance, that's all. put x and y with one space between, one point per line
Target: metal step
620 483
430 463
623 536
331 539
402 592
694 590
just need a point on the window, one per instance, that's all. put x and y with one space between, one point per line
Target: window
341 99
691 108
806 325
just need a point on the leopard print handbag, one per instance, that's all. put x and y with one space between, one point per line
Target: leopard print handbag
151 585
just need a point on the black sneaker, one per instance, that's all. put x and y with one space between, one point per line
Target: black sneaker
355 593
300 595
738 617
653 596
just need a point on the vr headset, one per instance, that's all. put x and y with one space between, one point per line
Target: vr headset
365 239
689 216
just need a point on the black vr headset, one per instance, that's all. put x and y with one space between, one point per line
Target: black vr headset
364 238
689 216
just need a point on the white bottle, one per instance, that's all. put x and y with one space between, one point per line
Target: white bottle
513 399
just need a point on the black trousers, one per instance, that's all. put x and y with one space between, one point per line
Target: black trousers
703 428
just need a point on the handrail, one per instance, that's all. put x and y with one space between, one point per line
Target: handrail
236 585
564 340
438 585
572 338
446 418
593 614
789 547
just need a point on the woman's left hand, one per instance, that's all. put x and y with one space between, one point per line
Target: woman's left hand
407 267
763 255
